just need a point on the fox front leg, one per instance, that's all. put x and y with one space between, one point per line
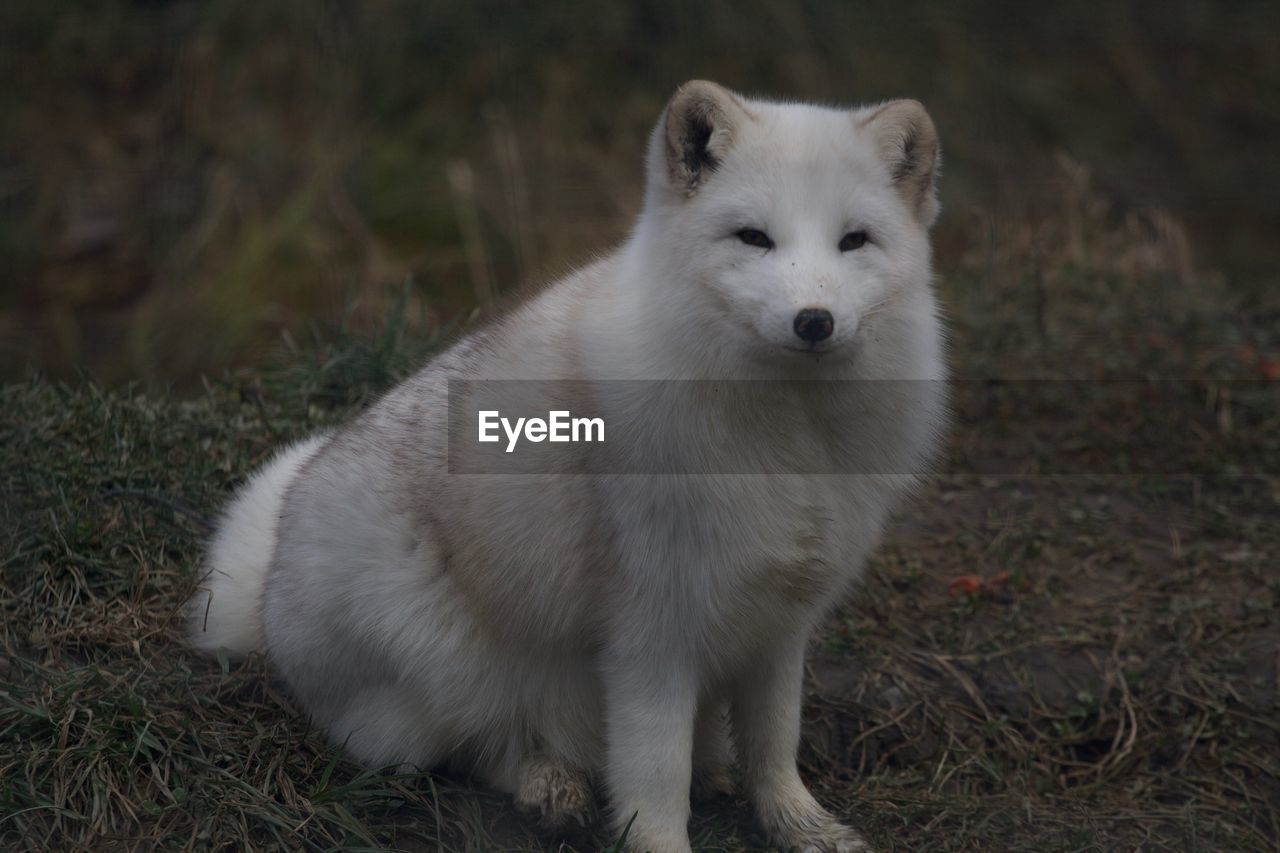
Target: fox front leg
766 723
651 707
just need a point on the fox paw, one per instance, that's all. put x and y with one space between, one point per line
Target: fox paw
834 838
554 790
847 841
809 828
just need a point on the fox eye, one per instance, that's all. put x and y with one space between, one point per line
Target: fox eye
755 237
853 240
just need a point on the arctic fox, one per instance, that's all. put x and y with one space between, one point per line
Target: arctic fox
554 630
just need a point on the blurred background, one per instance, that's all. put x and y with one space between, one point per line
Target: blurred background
186 186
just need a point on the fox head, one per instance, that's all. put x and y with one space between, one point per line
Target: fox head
804 227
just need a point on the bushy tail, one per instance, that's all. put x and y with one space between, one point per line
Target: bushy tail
225 613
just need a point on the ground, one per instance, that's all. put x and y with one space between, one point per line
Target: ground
1069 639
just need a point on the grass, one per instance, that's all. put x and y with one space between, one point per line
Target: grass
1110 683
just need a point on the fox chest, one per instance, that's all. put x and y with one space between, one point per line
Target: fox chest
804 540
762 549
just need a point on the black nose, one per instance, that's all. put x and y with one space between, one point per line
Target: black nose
814 324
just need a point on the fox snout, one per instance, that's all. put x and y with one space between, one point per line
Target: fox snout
814 324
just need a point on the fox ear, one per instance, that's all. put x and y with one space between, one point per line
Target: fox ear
908 143
696 132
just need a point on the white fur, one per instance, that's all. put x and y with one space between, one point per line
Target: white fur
541 629
225 614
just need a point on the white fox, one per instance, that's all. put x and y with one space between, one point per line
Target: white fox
551 629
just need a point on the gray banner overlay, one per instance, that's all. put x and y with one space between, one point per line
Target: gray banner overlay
993 427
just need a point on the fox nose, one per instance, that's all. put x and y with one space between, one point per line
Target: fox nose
814 324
